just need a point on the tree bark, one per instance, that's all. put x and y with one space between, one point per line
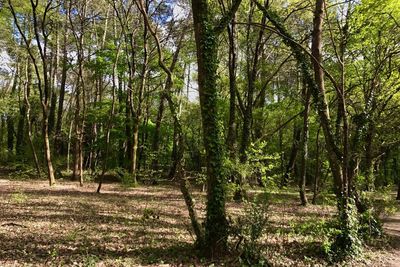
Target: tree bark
252 70
61 97
206 37
10 134
27 89
293 154
317 169
231 136
156 138
304 146
20 128
43 84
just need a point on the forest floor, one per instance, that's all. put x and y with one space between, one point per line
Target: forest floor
68 225
392 229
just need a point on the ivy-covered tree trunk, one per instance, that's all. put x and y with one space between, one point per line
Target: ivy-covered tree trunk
304 146
206 35
348 241
216 228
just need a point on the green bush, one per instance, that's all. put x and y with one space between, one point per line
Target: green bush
247 231
344 239
370 225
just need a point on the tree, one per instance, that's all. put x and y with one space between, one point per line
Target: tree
207 32
41 35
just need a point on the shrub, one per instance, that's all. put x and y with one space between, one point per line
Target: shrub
247 231
344 239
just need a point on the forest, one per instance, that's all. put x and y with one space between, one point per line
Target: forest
199 133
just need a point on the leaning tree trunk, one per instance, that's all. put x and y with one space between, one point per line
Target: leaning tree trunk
174 109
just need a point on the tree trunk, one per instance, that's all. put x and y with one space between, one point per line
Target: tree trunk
27 90
177 125
47 149
369 164
231 136
206 37
109 122
138 111
252 70
10 134
315 84
20 131
396 175
156 138
53 84
304 147
58 137
20 128
43 84
293 154
317 170
2 131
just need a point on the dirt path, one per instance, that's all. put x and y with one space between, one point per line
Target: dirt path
392 229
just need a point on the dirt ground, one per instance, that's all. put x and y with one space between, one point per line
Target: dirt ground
392 229
68 225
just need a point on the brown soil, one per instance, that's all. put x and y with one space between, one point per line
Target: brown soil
68 225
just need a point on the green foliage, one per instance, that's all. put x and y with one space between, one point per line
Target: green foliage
370 225
314 227
345 241
126 178
22 171
19 197
248 230
150 214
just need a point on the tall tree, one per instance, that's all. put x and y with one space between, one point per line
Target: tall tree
42 31
207 31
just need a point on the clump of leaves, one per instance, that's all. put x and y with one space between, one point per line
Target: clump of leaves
150 214
201 180
126 178
19 197
370 225
314 227
90 260
345 241
247 231
22 171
